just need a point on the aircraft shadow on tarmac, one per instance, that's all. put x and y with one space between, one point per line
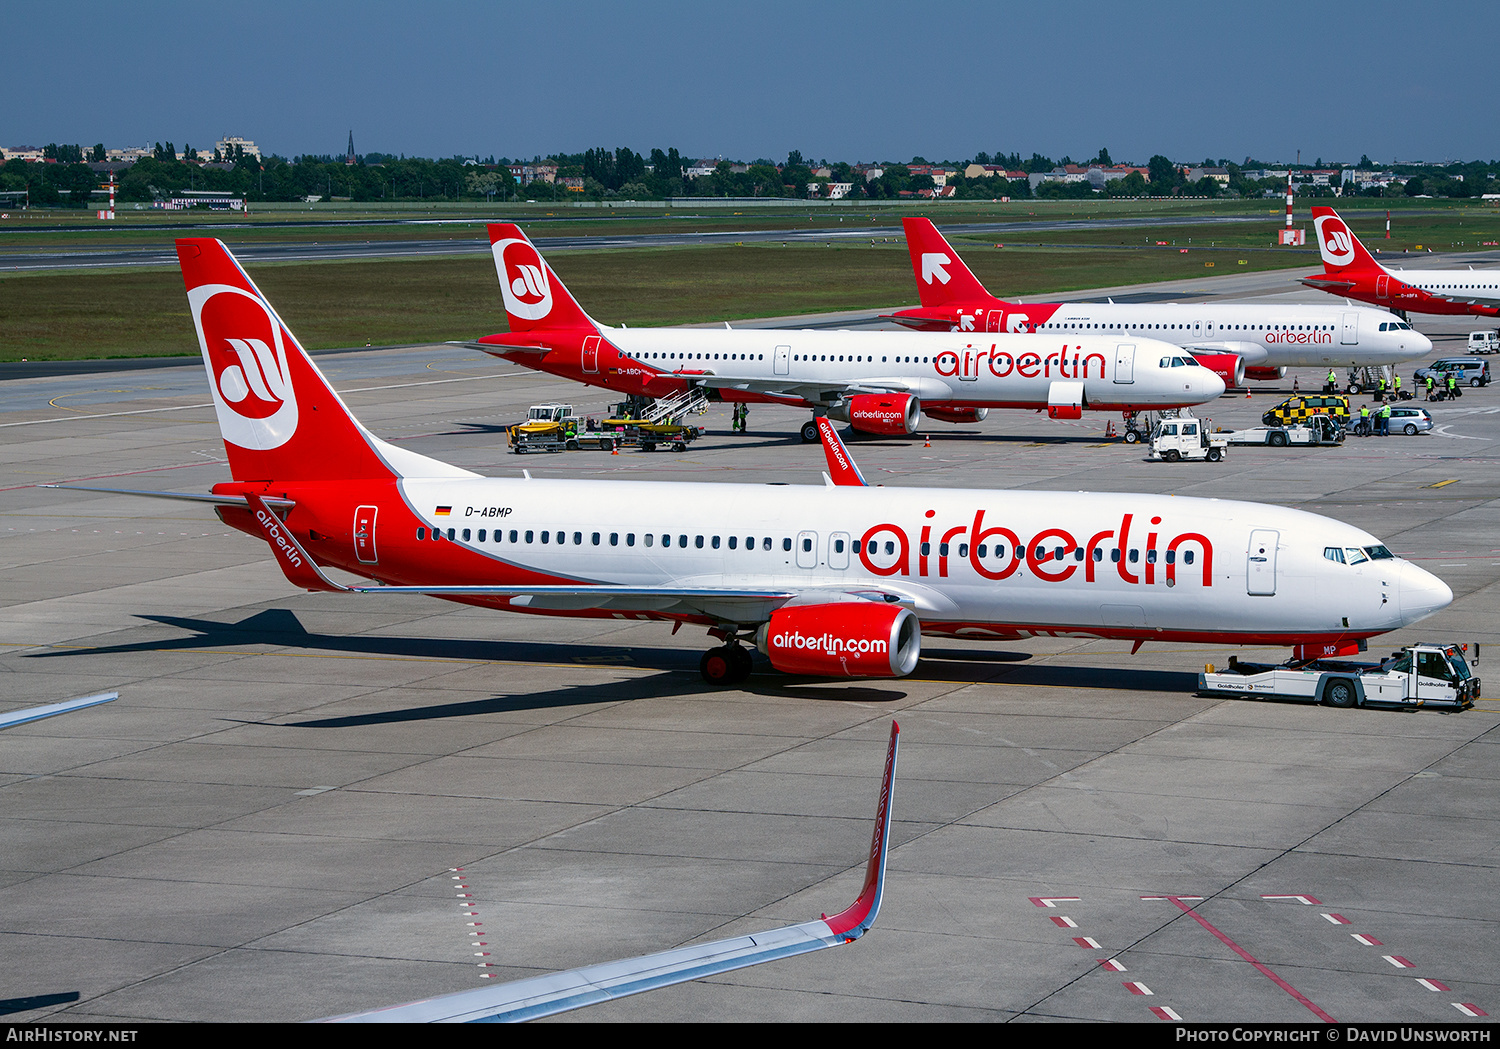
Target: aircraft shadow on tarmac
36 1001
676 668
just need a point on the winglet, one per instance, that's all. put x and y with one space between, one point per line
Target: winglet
840 463
296 563
12 718
856 920
539 996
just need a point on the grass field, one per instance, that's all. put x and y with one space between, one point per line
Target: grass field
129 313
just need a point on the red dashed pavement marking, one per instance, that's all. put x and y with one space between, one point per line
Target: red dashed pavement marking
1434 985
1087 941
1368 941
1065 922
1112 965
1399 962
1337 919
1469 1009
1165 1013
1052 901
1306 900
1264 970
1136 987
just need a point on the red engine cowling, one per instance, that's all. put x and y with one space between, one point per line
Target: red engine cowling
956 415
1266 374
847 639
1228 366
886 414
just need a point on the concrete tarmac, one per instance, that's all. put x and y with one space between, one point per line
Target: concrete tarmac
276 819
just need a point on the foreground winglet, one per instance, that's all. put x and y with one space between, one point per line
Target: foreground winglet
559 992
841 467
49 710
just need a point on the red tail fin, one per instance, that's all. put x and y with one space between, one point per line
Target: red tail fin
942 277
279 417
1340 248
534 298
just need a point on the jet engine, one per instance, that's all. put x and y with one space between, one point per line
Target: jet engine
956 415
847 639
1266 374
886 414
1228 366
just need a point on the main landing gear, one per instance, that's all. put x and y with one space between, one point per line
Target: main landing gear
810 434
726 665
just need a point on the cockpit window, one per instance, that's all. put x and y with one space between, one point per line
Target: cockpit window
1354 555
1334 553
1379 553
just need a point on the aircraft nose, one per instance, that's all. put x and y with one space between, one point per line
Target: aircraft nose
1420 342
1422 593
1209 384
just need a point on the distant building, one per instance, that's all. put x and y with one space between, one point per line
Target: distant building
1219 175
529 173
226 145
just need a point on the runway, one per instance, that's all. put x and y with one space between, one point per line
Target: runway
250 252
269 822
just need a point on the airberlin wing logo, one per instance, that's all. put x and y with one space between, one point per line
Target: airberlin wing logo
1335 241
528 293
245 354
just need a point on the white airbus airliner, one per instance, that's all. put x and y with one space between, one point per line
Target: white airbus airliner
878 382
839 580
1237 340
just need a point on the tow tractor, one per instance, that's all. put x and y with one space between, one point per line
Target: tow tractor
1314 430
1425 675
1185 437
555 428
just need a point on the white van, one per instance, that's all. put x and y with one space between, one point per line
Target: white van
1484 342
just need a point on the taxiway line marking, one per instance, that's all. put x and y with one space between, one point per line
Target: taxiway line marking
1260 967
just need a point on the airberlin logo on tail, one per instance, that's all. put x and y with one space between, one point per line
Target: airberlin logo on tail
528 293
1335 241
243 348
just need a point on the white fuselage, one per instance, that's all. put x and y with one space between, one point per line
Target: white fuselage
984 563
1481 286
1005 370
1265 336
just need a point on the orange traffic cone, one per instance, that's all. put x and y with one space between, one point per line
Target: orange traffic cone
927 441
614 448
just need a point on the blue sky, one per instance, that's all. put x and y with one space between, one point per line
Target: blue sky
866 81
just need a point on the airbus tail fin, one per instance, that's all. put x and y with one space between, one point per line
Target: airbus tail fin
1340 248
280 419
942 277
535 299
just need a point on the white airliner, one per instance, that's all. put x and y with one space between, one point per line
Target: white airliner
840 580
1236 340
1349 269
878 382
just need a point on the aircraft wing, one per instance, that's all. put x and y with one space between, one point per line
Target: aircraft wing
13 718
803 389
545 995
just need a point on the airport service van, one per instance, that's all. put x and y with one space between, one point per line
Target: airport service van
1484 342
1312 431
1425 675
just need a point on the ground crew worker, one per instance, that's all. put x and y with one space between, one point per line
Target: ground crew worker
1429 386
1382 389
1397 394
1452 385
1364 420
1385 420
1332 382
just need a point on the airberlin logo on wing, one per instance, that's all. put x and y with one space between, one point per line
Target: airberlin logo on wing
243 347
528 293
1335 241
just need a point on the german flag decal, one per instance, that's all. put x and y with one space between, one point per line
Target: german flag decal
443 511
